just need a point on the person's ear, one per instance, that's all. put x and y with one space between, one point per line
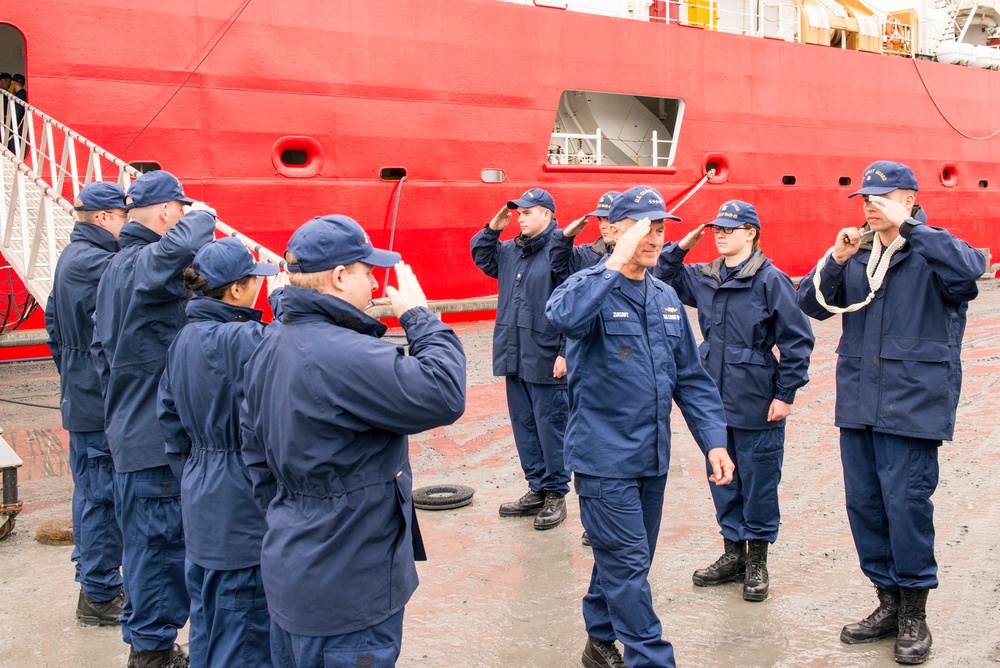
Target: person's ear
337 275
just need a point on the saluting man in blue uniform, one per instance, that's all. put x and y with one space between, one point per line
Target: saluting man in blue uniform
529 352
568 259
140 309
199 408
631 353
903 288
328 408
746 308
69 320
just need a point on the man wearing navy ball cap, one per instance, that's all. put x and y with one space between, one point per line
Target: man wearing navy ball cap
328 408
630 340
69 319
529 352
903 289
140 309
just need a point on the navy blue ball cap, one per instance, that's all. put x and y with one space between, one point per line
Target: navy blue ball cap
735 213
534 197
326 242
226 261
604 204
156 188
638 203
19 78
100 196
882 177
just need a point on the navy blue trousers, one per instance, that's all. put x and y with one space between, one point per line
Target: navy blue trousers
375 647
622 519
148 504
538 416
747 508
230 625
96 535
888 482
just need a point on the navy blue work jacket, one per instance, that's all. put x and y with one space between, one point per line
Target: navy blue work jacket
525 343
628 355
328 409
899 367
199 401
140 309
742 320
69 320
568 259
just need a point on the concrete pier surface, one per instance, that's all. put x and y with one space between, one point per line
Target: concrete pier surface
497 593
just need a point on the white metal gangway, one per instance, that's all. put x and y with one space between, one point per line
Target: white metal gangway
44 165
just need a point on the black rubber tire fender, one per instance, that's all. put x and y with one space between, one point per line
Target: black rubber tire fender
442 497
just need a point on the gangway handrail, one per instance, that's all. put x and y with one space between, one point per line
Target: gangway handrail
27 129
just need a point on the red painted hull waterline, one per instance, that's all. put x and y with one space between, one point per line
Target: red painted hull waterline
215 90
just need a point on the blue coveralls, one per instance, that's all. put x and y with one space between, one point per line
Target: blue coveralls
525 347
69 320
630 351
568 259
140 309
199 408
328 409
899 376
744 312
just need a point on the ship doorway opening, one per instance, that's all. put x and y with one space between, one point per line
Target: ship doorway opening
12 51
595 128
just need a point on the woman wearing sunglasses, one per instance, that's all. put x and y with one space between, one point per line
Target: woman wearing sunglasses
746 308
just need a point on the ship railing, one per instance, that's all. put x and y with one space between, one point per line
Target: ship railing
45 165
662 150
779 19
561 151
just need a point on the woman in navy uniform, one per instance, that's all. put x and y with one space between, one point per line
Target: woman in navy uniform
631 353
903 288
198 405
746 308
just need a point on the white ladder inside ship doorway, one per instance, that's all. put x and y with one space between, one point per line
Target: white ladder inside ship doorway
44 165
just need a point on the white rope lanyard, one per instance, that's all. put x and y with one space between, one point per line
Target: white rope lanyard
878 266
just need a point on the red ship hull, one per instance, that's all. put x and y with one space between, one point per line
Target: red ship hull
444 90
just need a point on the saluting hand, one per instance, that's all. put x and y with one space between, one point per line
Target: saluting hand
895 212
501 220
409 294
722 466
626 245
279 280
692 238
199 206
575 227
848 243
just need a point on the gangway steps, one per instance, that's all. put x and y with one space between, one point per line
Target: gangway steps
36 214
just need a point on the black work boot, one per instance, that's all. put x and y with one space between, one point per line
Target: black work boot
585 539
529 504
553 511
730 566
913 644
175 657
602 654
99 613
756 583
881 623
